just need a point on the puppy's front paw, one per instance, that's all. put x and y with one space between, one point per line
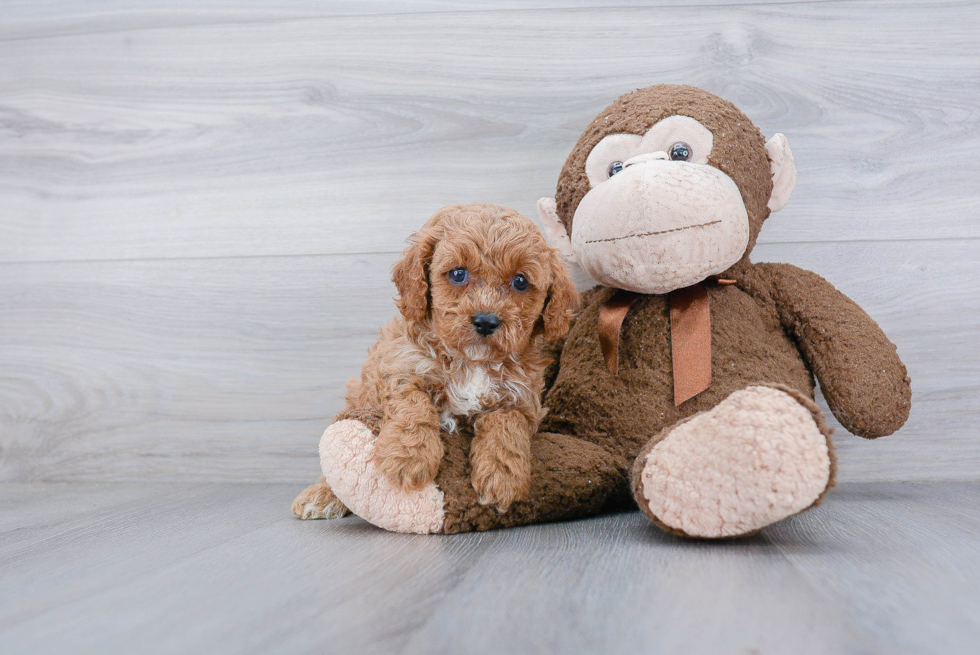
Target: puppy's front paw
499 485
318 501
501 458
409 459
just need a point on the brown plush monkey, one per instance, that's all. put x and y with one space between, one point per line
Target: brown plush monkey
686 384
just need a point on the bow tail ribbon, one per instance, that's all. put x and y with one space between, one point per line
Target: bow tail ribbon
611 316
690 341
690 337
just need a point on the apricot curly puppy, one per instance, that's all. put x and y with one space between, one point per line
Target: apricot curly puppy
481 293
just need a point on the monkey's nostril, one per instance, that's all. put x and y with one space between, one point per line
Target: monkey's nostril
485 324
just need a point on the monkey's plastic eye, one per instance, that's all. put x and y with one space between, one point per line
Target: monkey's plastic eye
615 167
680 151
520 283
458 276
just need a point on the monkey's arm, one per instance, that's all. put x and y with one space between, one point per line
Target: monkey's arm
860 374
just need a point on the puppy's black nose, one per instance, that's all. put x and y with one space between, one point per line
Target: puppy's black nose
485 324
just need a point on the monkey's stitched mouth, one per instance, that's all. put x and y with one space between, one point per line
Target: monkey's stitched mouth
650 234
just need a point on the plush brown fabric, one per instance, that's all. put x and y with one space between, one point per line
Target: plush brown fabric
860 373
570 478
621 413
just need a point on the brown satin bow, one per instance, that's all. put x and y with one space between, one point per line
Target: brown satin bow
690 336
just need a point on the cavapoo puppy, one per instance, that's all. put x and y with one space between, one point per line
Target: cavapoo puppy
480 294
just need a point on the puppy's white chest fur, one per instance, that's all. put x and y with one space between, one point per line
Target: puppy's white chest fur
467 393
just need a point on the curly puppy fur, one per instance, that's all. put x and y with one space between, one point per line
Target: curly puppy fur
432 374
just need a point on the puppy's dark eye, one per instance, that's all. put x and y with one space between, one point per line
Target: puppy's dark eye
680 151
520 282
615 167
458 276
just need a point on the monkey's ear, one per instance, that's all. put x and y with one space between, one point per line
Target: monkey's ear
783 171
554 230
411 275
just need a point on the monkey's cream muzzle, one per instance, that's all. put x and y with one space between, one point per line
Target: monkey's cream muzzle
660 225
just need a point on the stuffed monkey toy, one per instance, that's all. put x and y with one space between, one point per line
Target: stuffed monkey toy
685 386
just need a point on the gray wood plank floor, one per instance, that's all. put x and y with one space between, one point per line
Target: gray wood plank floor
221 568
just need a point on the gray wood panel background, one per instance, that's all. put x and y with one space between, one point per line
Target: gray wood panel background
200 203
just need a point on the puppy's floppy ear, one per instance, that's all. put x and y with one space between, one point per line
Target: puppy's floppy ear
411 274
562 302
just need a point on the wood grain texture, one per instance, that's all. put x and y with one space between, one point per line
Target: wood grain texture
161 568
230 368
43 17
341 133
199 203
894 545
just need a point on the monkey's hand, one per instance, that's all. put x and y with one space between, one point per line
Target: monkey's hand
860 373
500 456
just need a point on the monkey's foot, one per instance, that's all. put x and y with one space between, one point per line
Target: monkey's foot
759 456
347 459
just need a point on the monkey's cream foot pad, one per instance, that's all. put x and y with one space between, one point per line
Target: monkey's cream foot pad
346 457
756 458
